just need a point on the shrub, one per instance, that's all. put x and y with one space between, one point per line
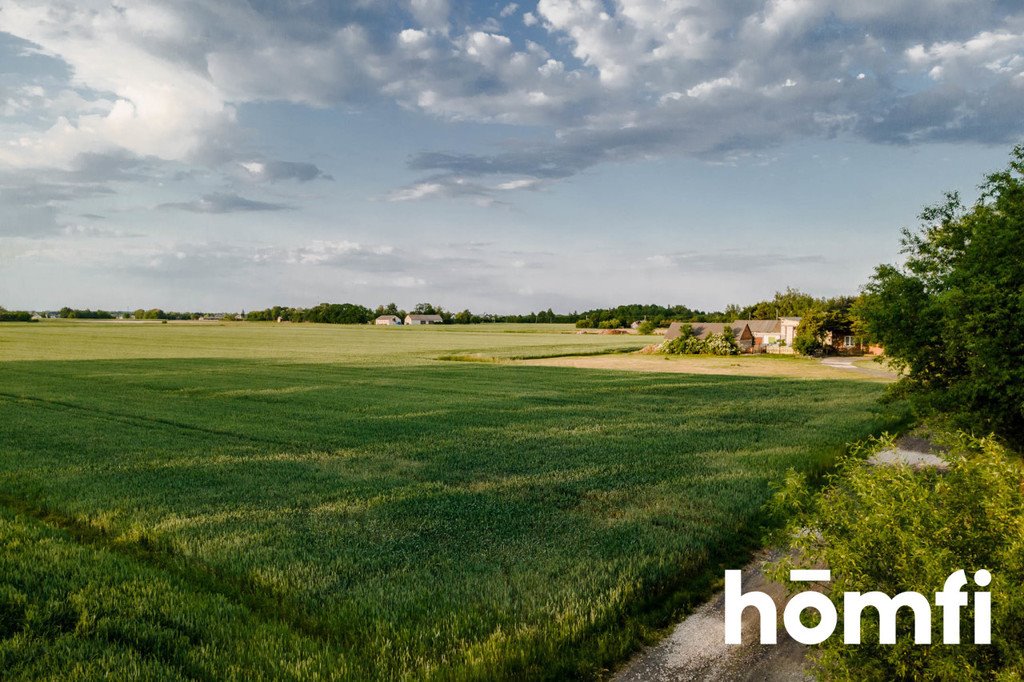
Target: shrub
721 344
585 323
894 529
15 315
646 328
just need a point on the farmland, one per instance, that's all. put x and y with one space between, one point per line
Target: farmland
245 501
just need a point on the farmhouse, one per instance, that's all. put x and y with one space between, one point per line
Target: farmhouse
423 319
388 320
702 330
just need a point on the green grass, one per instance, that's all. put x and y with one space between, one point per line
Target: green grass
293 501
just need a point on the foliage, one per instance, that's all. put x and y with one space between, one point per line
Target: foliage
584 323
610 324
722 344
810 334
952 318
893 529
389 309
646 328
714 344
415 519
788 303
324 313
15 315
71 313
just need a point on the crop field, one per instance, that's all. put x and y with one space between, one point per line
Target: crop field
259 501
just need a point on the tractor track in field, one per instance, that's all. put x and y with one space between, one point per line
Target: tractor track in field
190 574
140 420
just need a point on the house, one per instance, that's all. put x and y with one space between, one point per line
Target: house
423 319
388 320
846 343
36 317
765 332
702 330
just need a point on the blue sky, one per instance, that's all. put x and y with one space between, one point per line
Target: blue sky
497 156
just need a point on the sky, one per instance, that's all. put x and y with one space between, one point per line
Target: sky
496 156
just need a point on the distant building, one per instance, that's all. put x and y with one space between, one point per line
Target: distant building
36 316
423 319
387 320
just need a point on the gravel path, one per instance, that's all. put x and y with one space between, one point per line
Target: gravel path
696 648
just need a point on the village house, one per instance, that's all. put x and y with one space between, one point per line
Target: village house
702 330
388 320
423 319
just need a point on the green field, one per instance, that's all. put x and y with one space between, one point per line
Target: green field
249 501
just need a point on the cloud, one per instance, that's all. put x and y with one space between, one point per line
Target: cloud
274 171
730 261
225 203
605 81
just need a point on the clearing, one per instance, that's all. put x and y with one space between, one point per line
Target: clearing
736 365
249 500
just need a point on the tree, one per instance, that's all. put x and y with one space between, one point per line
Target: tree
952 317
788 303
810 334
646 328
425 309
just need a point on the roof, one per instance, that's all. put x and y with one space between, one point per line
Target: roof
425 318
389 317
702 330
762 326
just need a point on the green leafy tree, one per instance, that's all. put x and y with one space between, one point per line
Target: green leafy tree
952 317
646 328
425 309
788 303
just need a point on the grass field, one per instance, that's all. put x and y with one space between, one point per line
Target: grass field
248 501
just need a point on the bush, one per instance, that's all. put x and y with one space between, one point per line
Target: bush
646 328
722 344
894 529
610 324
15 315
687 344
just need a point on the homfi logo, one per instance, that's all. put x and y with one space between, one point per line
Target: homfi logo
950 599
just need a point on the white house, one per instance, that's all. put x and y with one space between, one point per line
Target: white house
423 319
388 320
